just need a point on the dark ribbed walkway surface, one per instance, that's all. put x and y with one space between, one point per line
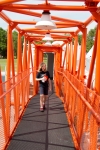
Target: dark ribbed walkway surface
46 130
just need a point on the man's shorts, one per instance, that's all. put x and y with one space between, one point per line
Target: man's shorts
43 90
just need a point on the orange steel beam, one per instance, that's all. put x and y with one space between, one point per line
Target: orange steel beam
87 22
40 33
8 20
57 23
59 35
51 31
51 7
5 17
48 49
5 2
97 72
46 2
75 54
79 0
55 40
56 18
92 61
31 13
41 36
66 26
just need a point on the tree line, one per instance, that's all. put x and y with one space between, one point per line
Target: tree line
3 41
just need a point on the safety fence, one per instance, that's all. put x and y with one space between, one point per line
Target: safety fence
14 97
82 107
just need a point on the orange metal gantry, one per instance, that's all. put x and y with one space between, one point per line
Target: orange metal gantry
81 99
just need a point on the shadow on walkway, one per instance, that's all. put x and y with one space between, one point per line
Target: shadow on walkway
48 130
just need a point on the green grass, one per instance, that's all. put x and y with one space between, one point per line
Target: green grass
3 63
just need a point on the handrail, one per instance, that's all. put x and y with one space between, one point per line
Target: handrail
96 115
14 85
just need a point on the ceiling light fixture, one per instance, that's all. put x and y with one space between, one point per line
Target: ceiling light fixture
47 37
48 43
45 22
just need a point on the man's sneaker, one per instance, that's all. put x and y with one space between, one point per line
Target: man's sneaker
43 106
41 109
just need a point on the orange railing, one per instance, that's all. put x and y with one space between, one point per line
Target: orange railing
14 96
82 107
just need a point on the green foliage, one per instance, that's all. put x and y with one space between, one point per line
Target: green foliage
3 43
15 37
90 39
38 42
45 55
79 39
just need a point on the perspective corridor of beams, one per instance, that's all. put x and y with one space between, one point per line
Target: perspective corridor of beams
69 82
34 34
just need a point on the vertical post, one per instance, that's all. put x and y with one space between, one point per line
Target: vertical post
82 67
19 55
28 67
40 54
25 55
19 70
70 56
64 60
67 56
29 54
13 75
75 54
8 100
92 61
35 67
2 108
57 67
97 75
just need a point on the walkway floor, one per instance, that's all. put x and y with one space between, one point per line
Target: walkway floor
46 130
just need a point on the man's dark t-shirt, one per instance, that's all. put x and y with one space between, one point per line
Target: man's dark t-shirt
41 74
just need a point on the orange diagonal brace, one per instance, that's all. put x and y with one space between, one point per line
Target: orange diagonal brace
31 13
5 2
89 20
92 62
5 17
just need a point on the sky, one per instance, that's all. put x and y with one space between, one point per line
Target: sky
79 16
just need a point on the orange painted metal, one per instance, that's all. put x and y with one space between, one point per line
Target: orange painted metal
89 82
83 55
52 7
75 55
81 103
31 13
97 75
6 2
